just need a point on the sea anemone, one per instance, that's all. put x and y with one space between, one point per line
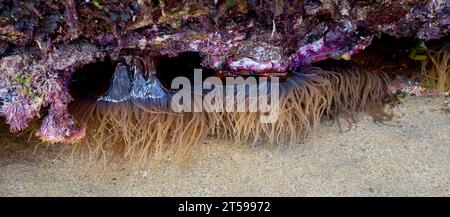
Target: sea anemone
436 70
130 116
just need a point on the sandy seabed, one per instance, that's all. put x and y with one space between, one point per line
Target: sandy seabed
408 156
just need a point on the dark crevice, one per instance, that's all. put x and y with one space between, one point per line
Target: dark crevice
92 80
385 53
168 68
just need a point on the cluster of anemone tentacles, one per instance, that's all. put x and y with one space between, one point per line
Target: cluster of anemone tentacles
436 69
139 129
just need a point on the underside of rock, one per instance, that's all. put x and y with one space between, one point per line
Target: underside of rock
48 49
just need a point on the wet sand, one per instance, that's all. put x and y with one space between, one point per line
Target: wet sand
408 156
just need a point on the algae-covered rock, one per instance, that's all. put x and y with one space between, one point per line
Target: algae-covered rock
43 42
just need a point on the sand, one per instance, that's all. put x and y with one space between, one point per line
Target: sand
408 156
